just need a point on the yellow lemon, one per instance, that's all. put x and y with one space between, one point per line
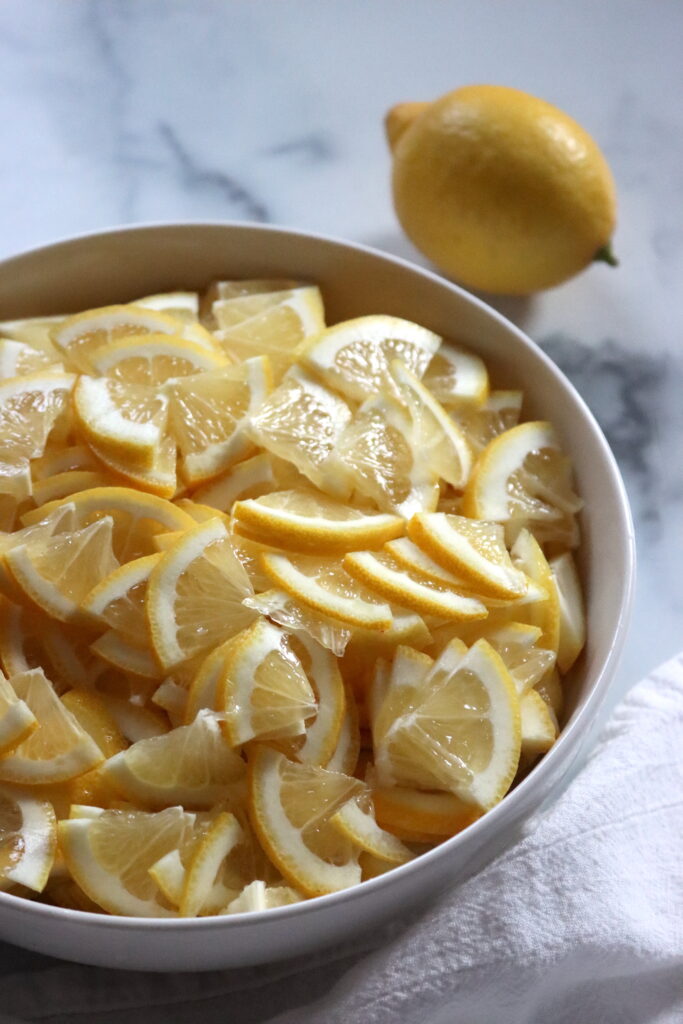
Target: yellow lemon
501 190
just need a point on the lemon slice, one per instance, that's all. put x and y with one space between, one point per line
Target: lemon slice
62 485
265 692
54 462
471 549
118 600
80 335
395 582
204 688
408 554
361 828
17 359
137 517
180 305
20 647
28 839
116 650
527 555
380 449
456 377
550 690
521 646
439 440
347 751
290 807
57 573
354 356
191 765
572 614
276 330
417 816
59 749
310 521
326 588
500 412
33 408
459 731
241 288
210 413
92 714
538 725
248 479
33 331
109 857
195 595
523 479
17 721
301 421
223 835
154 359
259 896
229 309
134 721
125 422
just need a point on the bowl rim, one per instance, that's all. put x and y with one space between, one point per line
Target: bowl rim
544 767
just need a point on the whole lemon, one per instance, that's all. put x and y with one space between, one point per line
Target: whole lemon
503 191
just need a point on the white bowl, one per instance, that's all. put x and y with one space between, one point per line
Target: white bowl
120 265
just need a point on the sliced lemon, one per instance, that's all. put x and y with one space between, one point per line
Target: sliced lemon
365 647
122 422
109 857
265 693
528 556
500 412
80 335
550 689
118 600
259 896
290 807
77 457
66 650
361 828
195 595
380 450
222 837
133 720
33 331
116 650
230 309
248 479
457 377
408 554
354 356
439 440
205 686
409 812
326 588
17 721
459 731
241 288
180 305
137 517
59 749
538 725
470 549
28 839
154 359
17 359
57 573
282 608
33 408
572 613
310 521
276 330
323 733
523 479
62 485
301 421
210 414
191 765
92 714
20 646
346 753
395 582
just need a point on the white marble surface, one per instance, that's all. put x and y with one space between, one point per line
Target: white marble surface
119 111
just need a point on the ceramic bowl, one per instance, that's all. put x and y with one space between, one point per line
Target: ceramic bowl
119 265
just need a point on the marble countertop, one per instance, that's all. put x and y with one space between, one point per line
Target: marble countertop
120 111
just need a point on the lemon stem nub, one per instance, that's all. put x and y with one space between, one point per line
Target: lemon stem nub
605 255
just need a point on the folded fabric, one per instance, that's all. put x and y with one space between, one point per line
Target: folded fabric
579 923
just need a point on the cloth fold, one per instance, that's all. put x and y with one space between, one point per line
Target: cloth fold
579 923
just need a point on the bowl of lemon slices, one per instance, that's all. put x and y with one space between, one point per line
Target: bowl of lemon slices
314 572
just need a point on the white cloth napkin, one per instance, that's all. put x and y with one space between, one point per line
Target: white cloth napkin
580 923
